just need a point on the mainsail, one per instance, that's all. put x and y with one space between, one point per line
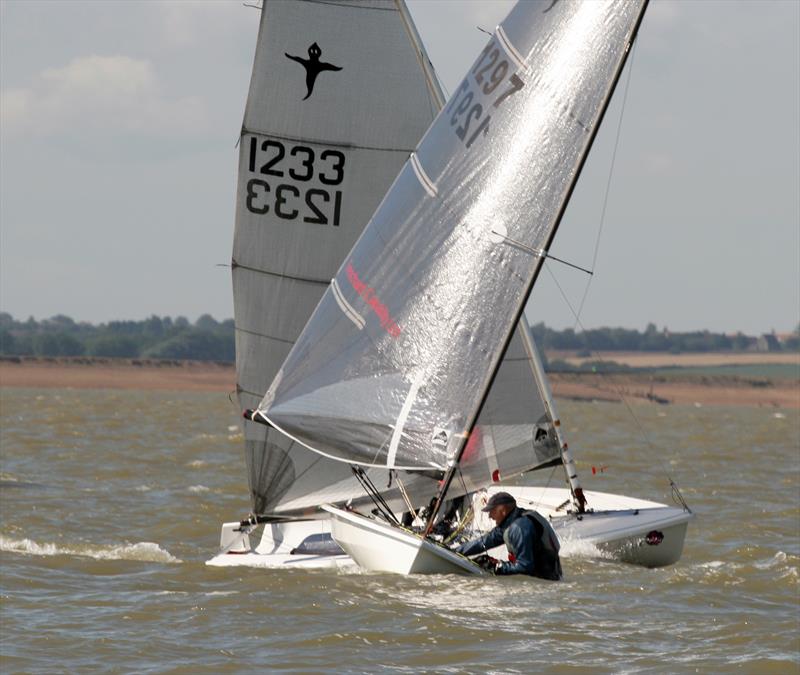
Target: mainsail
395 363
341 93
514 433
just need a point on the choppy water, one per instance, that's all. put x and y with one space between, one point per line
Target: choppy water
111 502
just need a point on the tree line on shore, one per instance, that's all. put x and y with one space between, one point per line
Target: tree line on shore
210 340
155 338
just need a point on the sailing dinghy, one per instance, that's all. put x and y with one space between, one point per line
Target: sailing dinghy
394 372
359 132
517 429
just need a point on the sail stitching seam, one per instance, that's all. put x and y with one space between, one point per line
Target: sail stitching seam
242 390
264 335
279 275
325 142
352 5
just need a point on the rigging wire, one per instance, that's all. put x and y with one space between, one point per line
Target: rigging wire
459 528
608 182
651 446
406 499
374 494
675 491
466 517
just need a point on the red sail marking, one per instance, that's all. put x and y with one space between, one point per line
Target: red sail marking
368 294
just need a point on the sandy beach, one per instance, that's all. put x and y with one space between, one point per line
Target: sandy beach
645 389
145 374
637 388
689 360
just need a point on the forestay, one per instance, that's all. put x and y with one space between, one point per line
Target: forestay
397 358
341 92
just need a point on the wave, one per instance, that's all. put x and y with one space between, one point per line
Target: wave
144 551
8 480
580 548
779 559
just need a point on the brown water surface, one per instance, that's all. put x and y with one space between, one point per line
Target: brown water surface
110 502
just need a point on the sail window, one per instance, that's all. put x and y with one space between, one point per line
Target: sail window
318 544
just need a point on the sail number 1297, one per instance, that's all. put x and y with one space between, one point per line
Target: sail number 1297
282 172
481 93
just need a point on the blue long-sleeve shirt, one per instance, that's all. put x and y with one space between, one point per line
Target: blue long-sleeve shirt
518 533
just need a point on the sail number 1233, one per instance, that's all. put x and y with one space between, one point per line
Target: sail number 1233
282 172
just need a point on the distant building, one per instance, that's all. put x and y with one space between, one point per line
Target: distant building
768 343
742 343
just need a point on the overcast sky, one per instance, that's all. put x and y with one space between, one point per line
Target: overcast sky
118 159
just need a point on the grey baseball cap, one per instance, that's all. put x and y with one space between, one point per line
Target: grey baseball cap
498 498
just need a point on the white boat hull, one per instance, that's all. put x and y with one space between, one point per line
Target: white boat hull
379 547
617 529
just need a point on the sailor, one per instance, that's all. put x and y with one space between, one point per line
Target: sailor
532 545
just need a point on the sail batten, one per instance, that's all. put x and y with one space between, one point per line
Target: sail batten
321 141
434 277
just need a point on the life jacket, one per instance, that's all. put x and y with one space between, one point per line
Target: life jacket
546 563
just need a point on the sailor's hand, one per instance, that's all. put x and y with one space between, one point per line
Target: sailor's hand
486 562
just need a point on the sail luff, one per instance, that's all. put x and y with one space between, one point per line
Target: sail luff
434 87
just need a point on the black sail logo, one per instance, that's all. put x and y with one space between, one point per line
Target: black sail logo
313 66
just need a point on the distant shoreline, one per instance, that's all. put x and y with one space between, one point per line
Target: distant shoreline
680 360
111 373
636 387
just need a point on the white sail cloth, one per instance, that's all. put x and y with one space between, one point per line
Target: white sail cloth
398 357
341 92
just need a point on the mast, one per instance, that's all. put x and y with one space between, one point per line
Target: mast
424 62
547 397
450 474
